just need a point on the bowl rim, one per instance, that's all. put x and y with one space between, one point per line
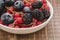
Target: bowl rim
51 14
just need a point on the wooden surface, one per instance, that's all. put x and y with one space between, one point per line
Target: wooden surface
50 32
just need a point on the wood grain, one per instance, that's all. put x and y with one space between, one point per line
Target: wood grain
50 32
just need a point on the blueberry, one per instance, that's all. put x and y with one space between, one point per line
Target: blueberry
27 10
2 7
27 18
9 3
37 4
7 18
37 14
18 5
46 13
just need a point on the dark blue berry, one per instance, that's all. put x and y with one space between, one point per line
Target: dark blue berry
2 7
38 14
37 4
7 18
9 3
27 10
18 5
27 18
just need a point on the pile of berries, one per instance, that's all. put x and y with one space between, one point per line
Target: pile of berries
23 13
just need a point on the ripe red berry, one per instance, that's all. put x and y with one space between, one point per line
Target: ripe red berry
34 20
27 4
43 1
16 15
0 22
47 7
19 20
39 22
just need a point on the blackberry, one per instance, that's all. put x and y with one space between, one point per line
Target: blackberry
18 5
37 4
37 14
9 3
7 18
46 13
27 10
27 18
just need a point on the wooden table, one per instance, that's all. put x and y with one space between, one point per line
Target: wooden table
50 32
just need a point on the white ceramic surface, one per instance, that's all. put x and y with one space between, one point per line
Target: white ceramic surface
28 30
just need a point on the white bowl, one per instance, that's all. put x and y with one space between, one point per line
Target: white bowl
28 30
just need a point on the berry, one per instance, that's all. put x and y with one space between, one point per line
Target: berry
19 20
37 14
34 20
7 18
39 22
46 13
27 4
43 1
2 7
9 3
27 18
17 15
18 5
37 4
27 10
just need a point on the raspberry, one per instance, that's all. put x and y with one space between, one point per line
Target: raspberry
39 22
44 4
17 15
19 20
43 1
27 4
47 7
0 22
34 20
